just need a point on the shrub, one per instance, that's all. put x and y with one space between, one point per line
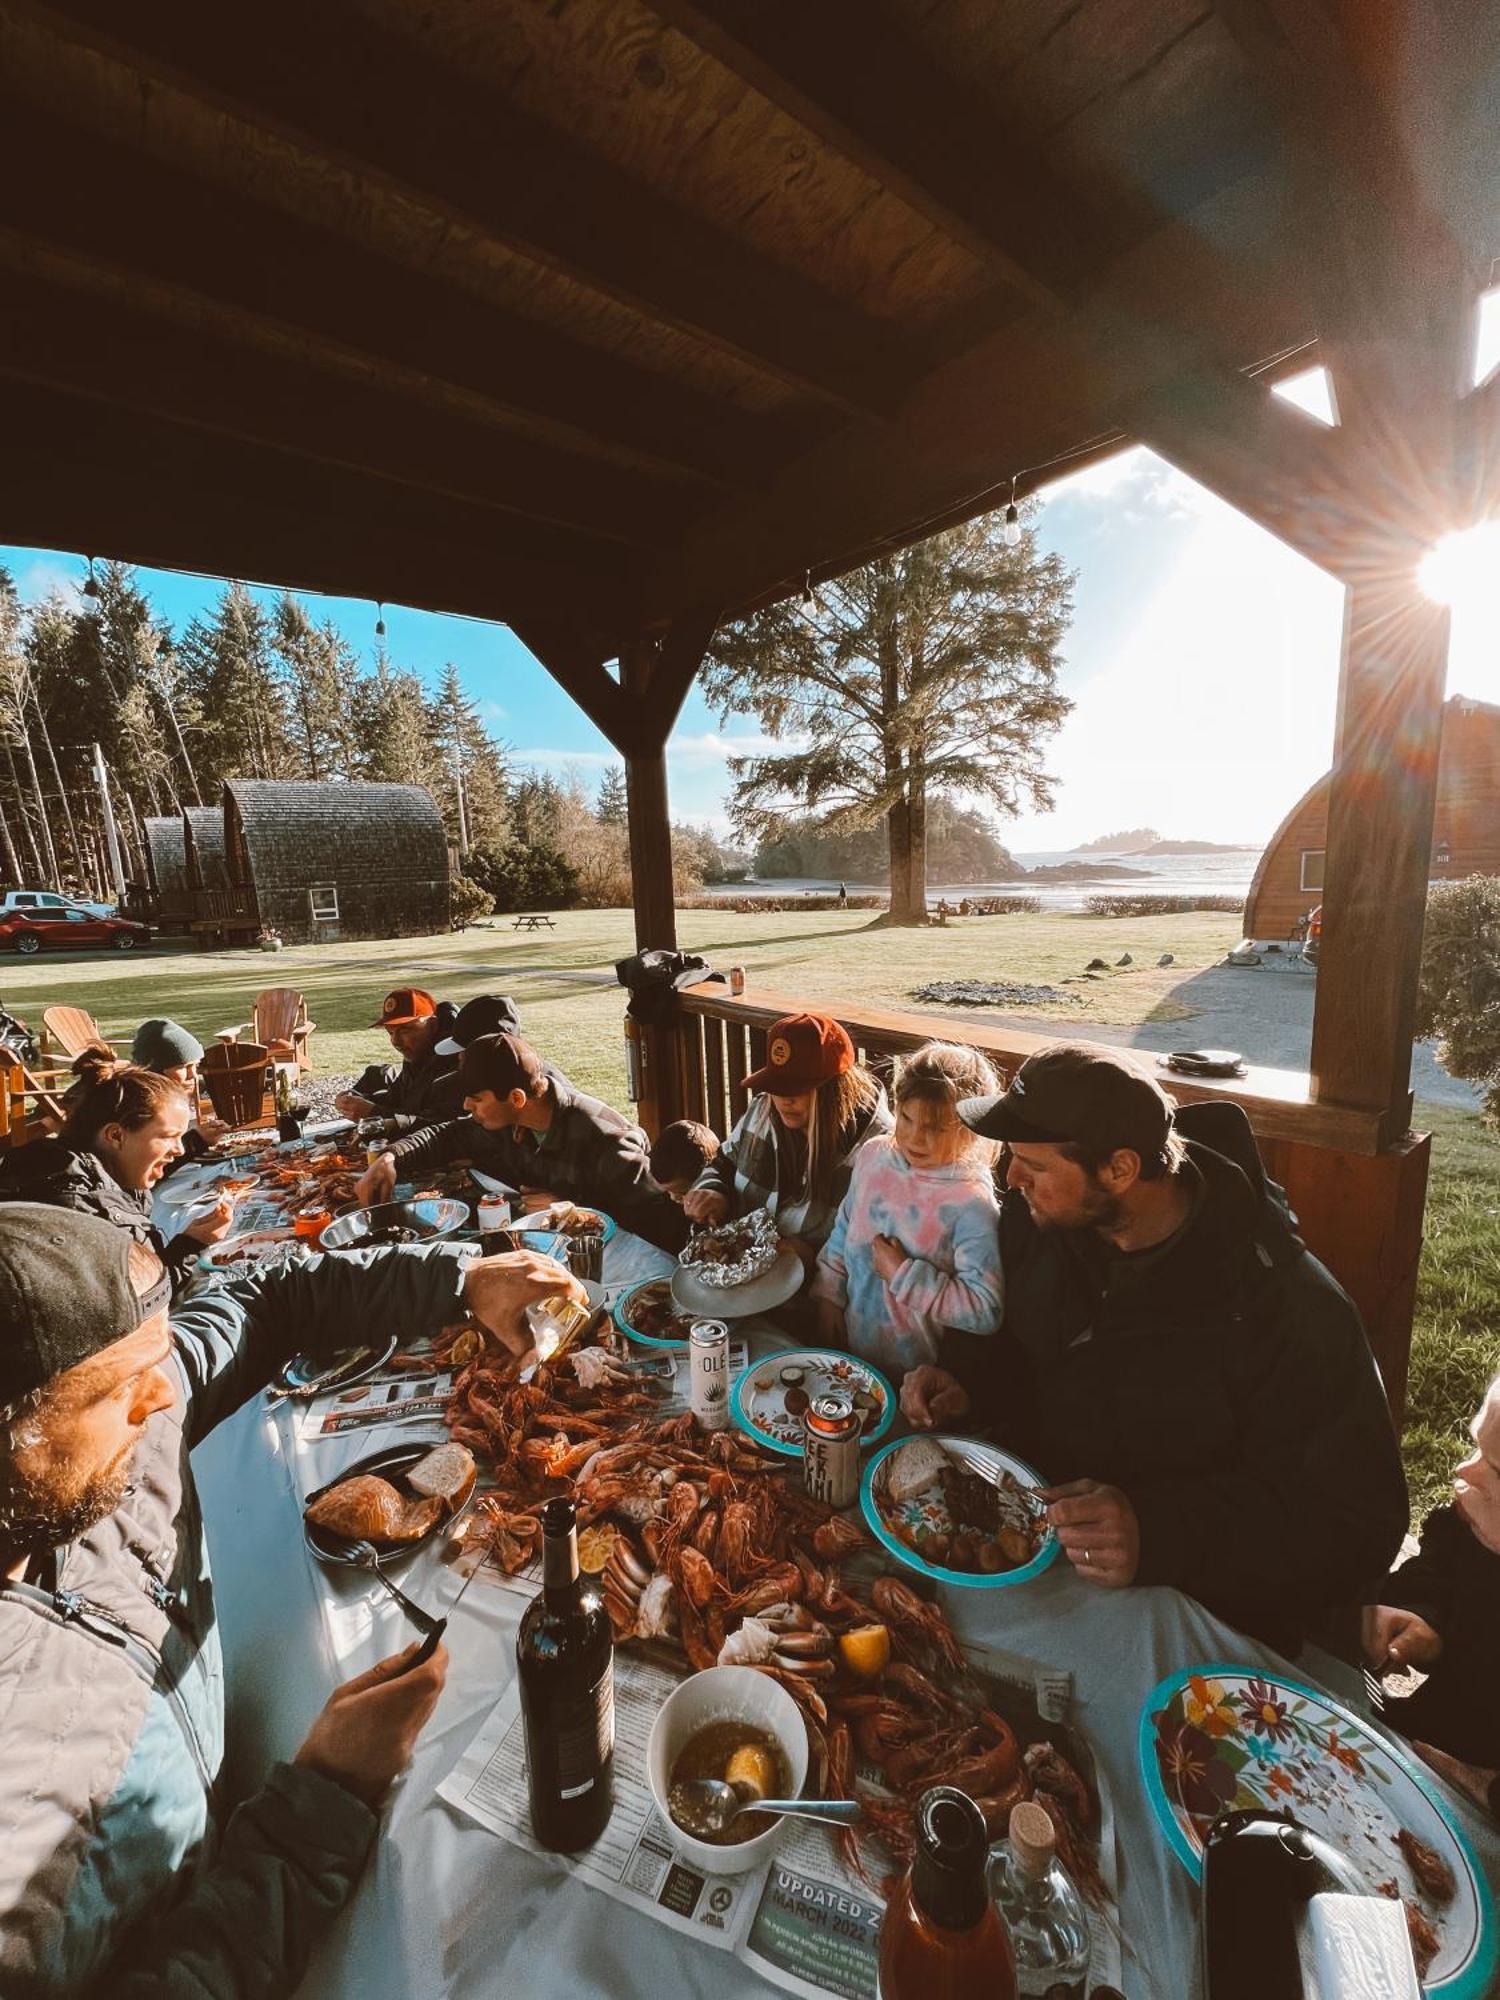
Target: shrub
467 902
1458 993
748 905
1157 906
525 875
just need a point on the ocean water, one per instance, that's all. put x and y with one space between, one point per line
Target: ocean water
1224 874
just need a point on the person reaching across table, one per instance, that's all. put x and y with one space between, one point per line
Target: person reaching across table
793 1150
914 1250
124 1128
1440 1614
530 1128
115 1875
426 1085
1172 1356
172 1052
679 1154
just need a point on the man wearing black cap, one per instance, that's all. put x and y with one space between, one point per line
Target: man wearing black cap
1194 1382
426 1084
113 1872
528 1126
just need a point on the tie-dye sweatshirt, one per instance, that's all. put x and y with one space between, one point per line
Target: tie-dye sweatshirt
946 1219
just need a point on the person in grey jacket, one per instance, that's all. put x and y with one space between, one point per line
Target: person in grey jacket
115 1873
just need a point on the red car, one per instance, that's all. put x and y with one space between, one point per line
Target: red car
30 931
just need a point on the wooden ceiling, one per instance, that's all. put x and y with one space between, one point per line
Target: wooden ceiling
605 319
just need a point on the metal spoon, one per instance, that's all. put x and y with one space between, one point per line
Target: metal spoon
706 1806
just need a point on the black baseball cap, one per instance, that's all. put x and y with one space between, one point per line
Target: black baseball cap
486 1014
501 1063
65 1292
1075 1094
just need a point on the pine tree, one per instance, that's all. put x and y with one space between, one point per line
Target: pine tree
934 670
463 744
392 728
610 806
226 660
318 674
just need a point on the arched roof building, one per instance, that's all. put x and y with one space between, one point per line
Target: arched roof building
1465 829
337 860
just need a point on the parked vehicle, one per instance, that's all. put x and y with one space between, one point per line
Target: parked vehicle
17 900
29 931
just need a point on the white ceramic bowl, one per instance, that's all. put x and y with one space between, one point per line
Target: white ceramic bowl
725 1694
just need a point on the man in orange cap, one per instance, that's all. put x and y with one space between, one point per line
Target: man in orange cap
425 1087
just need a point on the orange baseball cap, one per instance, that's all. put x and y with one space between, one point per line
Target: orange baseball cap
802 1051
405 1005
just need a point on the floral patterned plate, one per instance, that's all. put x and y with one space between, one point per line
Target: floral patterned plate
891 1524
1220 1738
769 1398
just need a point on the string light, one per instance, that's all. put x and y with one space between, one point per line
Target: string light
380 620
90 587
1012 520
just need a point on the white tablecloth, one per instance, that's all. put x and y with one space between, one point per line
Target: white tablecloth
446 1909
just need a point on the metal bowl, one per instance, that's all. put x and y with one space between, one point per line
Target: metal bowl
428 1216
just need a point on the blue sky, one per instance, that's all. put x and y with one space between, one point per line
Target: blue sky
1202 661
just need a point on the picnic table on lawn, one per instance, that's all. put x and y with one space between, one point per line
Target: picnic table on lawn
448 1911
533 923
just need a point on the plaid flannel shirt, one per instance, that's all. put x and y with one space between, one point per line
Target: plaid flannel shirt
747 1170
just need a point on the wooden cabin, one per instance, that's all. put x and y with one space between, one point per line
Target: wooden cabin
319 861
1288 881
166 871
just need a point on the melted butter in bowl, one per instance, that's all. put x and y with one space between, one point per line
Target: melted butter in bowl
740 1752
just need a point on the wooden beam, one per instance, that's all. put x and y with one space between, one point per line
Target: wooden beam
670 673
650 820
479 160
574 657
414 331
106 482
84 330
847 73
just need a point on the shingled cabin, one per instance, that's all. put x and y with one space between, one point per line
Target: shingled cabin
319 861
166 870
1288 881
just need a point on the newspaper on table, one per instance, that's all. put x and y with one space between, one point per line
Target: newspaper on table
389 1397
804 1919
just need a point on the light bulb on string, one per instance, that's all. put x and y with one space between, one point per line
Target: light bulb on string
90 587
1012 521
380 620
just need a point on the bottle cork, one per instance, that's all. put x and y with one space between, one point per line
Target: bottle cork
1033 1840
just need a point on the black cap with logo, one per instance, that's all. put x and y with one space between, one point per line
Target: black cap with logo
65 1292
1076 1094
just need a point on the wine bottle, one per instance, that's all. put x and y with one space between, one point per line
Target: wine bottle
565 1661
941 1938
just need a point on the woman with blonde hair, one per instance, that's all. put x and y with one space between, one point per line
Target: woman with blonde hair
814 1107
915 1249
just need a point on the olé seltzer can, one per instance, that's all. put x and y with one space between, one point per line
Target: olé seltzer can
708 1361
830 1449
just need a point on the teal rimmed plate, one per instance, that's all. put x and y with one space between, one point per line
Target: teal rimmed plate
883 1517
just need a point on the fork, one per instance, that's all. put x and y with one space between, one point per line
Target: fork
365 1556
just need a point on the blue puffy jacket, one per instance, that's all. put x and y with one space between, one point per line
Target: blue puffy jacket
113 1870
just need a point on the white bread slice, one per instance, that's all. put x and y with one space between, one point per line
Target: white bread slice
446 1473
914 1468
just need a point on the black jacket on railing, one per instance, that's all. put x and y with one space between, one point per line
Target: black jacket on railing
1222 1381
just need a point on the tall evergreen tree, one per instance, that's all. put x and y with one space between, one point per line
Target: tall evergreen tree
611 805
463 743
229 669
318 676
931 670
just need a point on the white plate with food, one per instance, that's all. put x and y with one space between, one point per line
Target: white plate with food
757 1295
958 1510
770 1399
1225 1738
396 1500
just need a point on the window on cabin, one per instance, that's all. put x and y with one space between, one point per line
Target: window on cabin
1312 867
325 905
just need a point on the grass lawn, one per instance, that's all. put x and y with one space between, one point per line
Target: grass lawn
563 982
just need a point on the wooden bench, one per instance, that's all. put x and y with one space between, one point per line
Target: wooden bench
533 923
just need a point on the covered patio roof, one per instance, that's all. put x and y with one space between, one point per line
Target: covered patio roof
610 321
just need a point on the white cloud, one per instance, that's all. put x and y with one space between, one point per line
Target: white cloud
558 760
43 576
716 746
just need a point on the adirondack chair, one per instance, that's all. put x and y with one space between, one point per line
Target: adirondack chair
237 1076
74 1031
279 1020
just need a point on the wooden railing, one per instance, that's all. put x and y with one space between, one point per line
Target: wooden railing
233 906
1359 1206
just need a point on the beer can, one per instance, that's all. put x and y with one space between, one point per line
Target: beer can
830 1449
736 978
708 1382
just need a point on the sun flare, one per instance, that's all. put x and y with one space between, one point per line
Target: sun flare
1463 570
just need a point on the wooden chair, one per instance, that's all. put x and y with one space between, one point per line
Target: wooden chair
279 1020
74 1031
238 1079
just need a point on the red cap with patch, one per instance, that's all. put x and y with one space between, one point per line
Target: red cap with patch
405 1005
802 1051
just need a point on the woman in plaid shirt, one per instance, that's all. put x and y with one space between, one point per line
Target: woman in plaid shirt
814 1107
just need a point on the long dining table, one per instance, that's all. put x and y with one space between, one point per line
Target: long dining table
448 1911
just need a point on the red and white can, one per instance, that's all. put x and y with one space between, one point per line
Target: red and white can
830 1449
736 978
708 1381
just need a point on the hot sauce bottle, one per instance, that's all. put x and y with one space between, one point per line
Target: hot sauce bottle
942 1938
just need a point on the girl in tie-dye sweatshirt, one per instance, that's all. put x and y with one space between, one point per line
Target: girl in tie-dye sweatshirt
915 1247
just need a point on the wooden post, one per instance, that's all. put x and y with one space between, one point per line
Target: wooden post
651 880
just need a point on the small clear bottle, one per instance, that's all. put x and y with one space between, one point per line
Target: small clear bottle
1044 1913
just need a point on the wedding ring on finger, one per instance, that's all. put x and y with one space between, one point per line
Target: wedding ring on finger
1088 1555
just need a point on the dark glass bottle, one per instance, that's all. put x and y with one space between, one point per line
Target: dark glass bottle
565 1660
941 1938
